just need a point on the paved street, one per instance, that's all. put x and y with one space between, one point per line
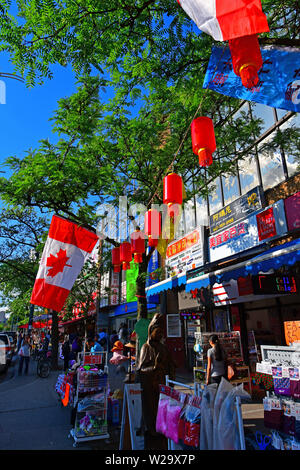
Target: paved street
32 417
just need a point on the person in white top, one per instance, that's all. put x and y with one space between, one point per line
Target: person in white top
24 355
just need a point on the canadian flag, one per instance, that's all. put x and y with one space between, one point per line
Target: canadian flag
226 19
67 248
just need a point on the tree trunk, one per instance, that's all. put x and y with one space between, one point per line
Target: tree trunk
54 340
142 310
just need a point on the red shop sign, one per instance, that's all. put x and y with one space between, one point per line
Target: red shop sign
245 286
266 224
292 211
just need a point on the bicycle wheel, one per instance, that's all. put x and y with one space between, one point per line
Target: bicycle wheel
43 369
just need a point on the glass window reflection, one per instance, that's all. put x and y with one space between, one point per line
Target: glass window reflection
215 197
265 113
230 188
248 173
292 156
201 211
270 165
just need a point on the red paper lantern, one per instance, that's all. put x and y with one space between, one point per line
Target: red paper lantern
115 256
203 139
152 226
125 255
246 59
137 245
172 191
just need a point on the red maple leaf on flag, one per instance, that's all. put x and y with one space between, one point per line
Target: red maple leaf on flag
57 263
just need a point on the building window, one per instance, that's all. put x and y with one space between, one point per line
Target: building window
265 113
189 215
215 196
248 173
201 211
281 113
270 161
291 152
230 188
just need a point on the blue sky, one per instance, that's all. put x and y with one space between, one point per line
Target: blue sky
24 118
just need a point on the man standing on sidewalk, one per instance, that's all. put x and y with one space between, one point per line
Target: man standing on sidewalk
24 355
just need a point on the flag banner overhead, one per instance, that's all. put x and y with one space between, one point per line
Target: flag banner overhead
226 19
67 248
279 78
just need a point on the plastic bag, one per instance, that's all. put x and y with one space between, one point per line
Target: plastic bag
227 425
192 419
161 417
224 388
207 414
173 411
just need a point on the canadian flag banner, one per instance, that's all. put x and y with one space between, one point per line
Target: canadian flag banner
226 19
67 248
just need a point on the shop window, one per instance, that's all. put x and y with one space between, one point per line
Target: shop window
270 161
265 113
215 197
230 188
248 173
291 146
201 211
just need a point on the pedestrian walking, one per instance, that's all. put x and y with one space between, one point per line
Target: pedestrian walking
24 356
66 350
20 341
216 361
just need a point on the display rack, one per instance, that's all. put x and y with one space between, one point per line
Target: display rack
282 405
231 343
91 399
197 389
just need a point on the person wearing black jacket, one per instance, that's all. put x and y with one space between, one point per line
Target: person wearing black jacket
66 352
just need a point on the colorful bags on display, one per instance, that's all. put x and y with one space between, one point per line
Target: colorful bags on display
170 405
273 413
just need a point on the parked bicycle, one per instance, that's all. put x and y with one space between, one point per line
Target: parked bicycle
44 365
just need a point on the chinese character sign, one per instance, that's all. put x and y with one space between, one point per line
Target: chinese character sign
266 224
185 253
279 78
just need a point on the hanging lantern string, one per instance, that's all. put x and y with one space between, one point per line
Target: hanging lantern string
171 166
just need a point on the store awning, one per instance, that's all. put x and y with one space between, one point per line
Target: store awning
274 258
170 283
197 282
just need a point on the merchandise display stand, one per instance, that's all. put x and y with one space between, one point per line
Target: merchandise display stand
91 399
197 390
282 404
171 445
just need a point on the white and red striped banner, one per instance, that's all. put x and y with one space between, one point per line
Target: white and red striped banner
67 247
226 19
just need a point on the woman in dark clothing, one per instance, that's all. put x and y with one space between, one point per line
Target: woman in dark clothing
66 352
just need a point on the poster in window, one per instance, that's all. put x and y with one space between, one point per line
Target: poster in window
173 326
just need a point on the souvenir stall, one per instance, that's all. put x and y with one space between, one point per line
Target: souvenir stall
201 417
90 404
281 364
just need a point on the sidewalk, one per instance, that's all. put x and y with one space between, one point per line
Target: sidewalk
33 418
